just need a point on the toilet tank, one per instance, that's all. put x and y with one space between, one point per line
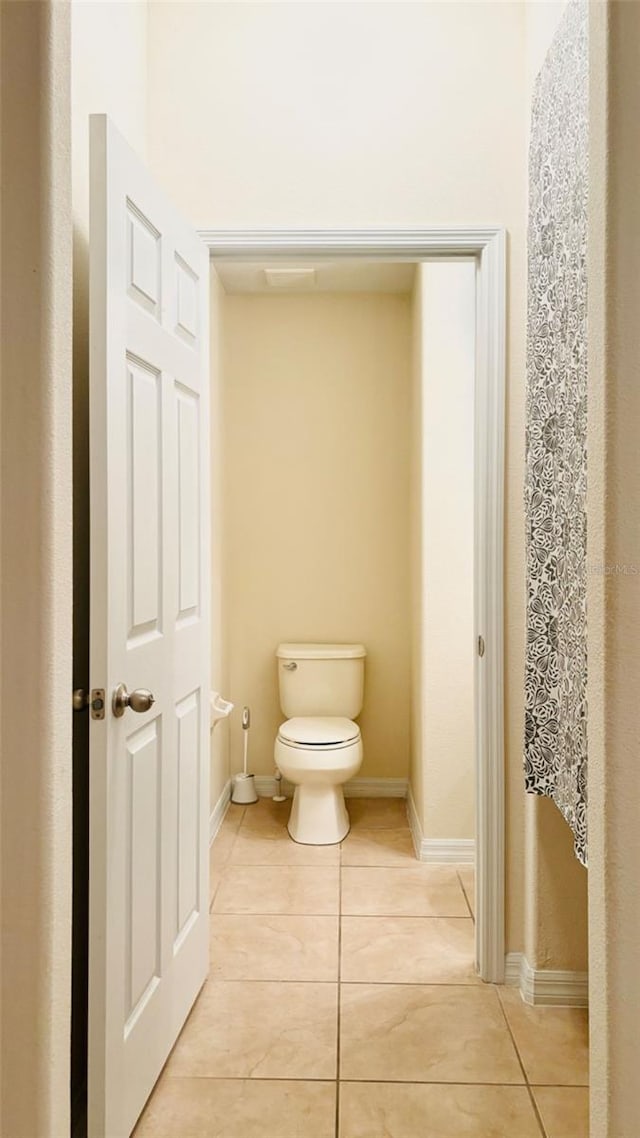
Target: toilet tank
321 679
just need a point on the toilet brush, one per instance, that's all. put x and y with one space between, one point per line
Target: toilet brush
244 787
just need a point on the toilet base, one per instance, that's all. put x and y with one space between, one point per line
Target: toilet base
318 815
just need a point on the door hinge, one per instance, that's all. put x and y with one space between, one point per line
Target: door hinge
481 646
93 700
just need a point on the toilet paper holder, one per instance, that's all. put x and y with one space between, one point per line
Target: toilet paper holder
219 708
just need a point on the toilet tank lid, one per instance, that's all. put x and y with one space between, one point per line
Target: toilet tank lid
320 651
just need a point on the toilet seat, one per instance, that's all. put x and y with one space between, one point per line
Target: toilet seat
319 731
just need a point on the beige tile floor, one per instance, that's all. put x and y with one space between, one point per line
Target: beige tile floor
342 1002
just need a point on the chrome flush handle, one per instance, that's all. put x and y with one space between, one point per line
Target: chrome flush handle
290 665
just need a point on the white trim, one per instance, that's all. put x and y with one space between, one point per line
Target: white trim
438 851
220 809
266 784
488 609
390 244
355 788
376 788
512 967
488 245
448 851
546 987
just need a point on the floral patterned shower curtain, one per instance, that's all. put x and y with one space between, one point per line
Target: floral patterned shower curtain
555 752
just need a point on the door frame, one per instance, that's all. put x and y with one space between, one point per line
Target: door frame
488 246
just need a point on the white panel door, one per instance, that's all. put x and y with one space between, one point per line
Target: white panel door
148 934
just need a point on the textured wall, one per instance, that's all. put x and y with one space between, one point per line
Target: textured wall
316 429
108 76
614 549
35 722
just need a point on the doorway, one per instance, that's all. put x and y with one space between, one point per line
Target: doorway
237 256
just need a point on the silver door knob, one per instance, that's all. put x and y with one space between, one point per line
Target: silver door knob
140 700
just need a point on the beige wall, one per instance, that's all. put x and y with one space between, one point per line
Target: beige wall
605 1012
338 114
443 759
316 425
556 892
541 21
614 540
35 592
109 76
353 115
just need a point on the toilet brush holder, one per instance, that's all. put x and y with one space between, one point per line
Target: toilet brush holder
244 789
244 785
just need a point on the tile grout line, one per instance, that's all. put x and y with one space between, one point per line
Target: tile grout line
364 1082
225 862
534 1104
471 913
352 916
476 986
423 869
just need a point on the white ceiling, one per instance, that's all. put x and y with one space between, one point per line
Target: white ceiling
286 277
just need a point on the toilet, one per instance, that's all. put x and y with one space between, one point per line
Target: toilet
319 747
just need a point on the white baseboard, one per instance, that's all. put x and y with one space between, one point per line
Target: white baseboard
376 788
355 788
512 966
546 987
448 851
438 851
219 811
266 786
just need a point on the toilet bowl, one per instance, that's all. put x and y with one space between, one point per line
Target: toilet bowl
318 755
319 747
